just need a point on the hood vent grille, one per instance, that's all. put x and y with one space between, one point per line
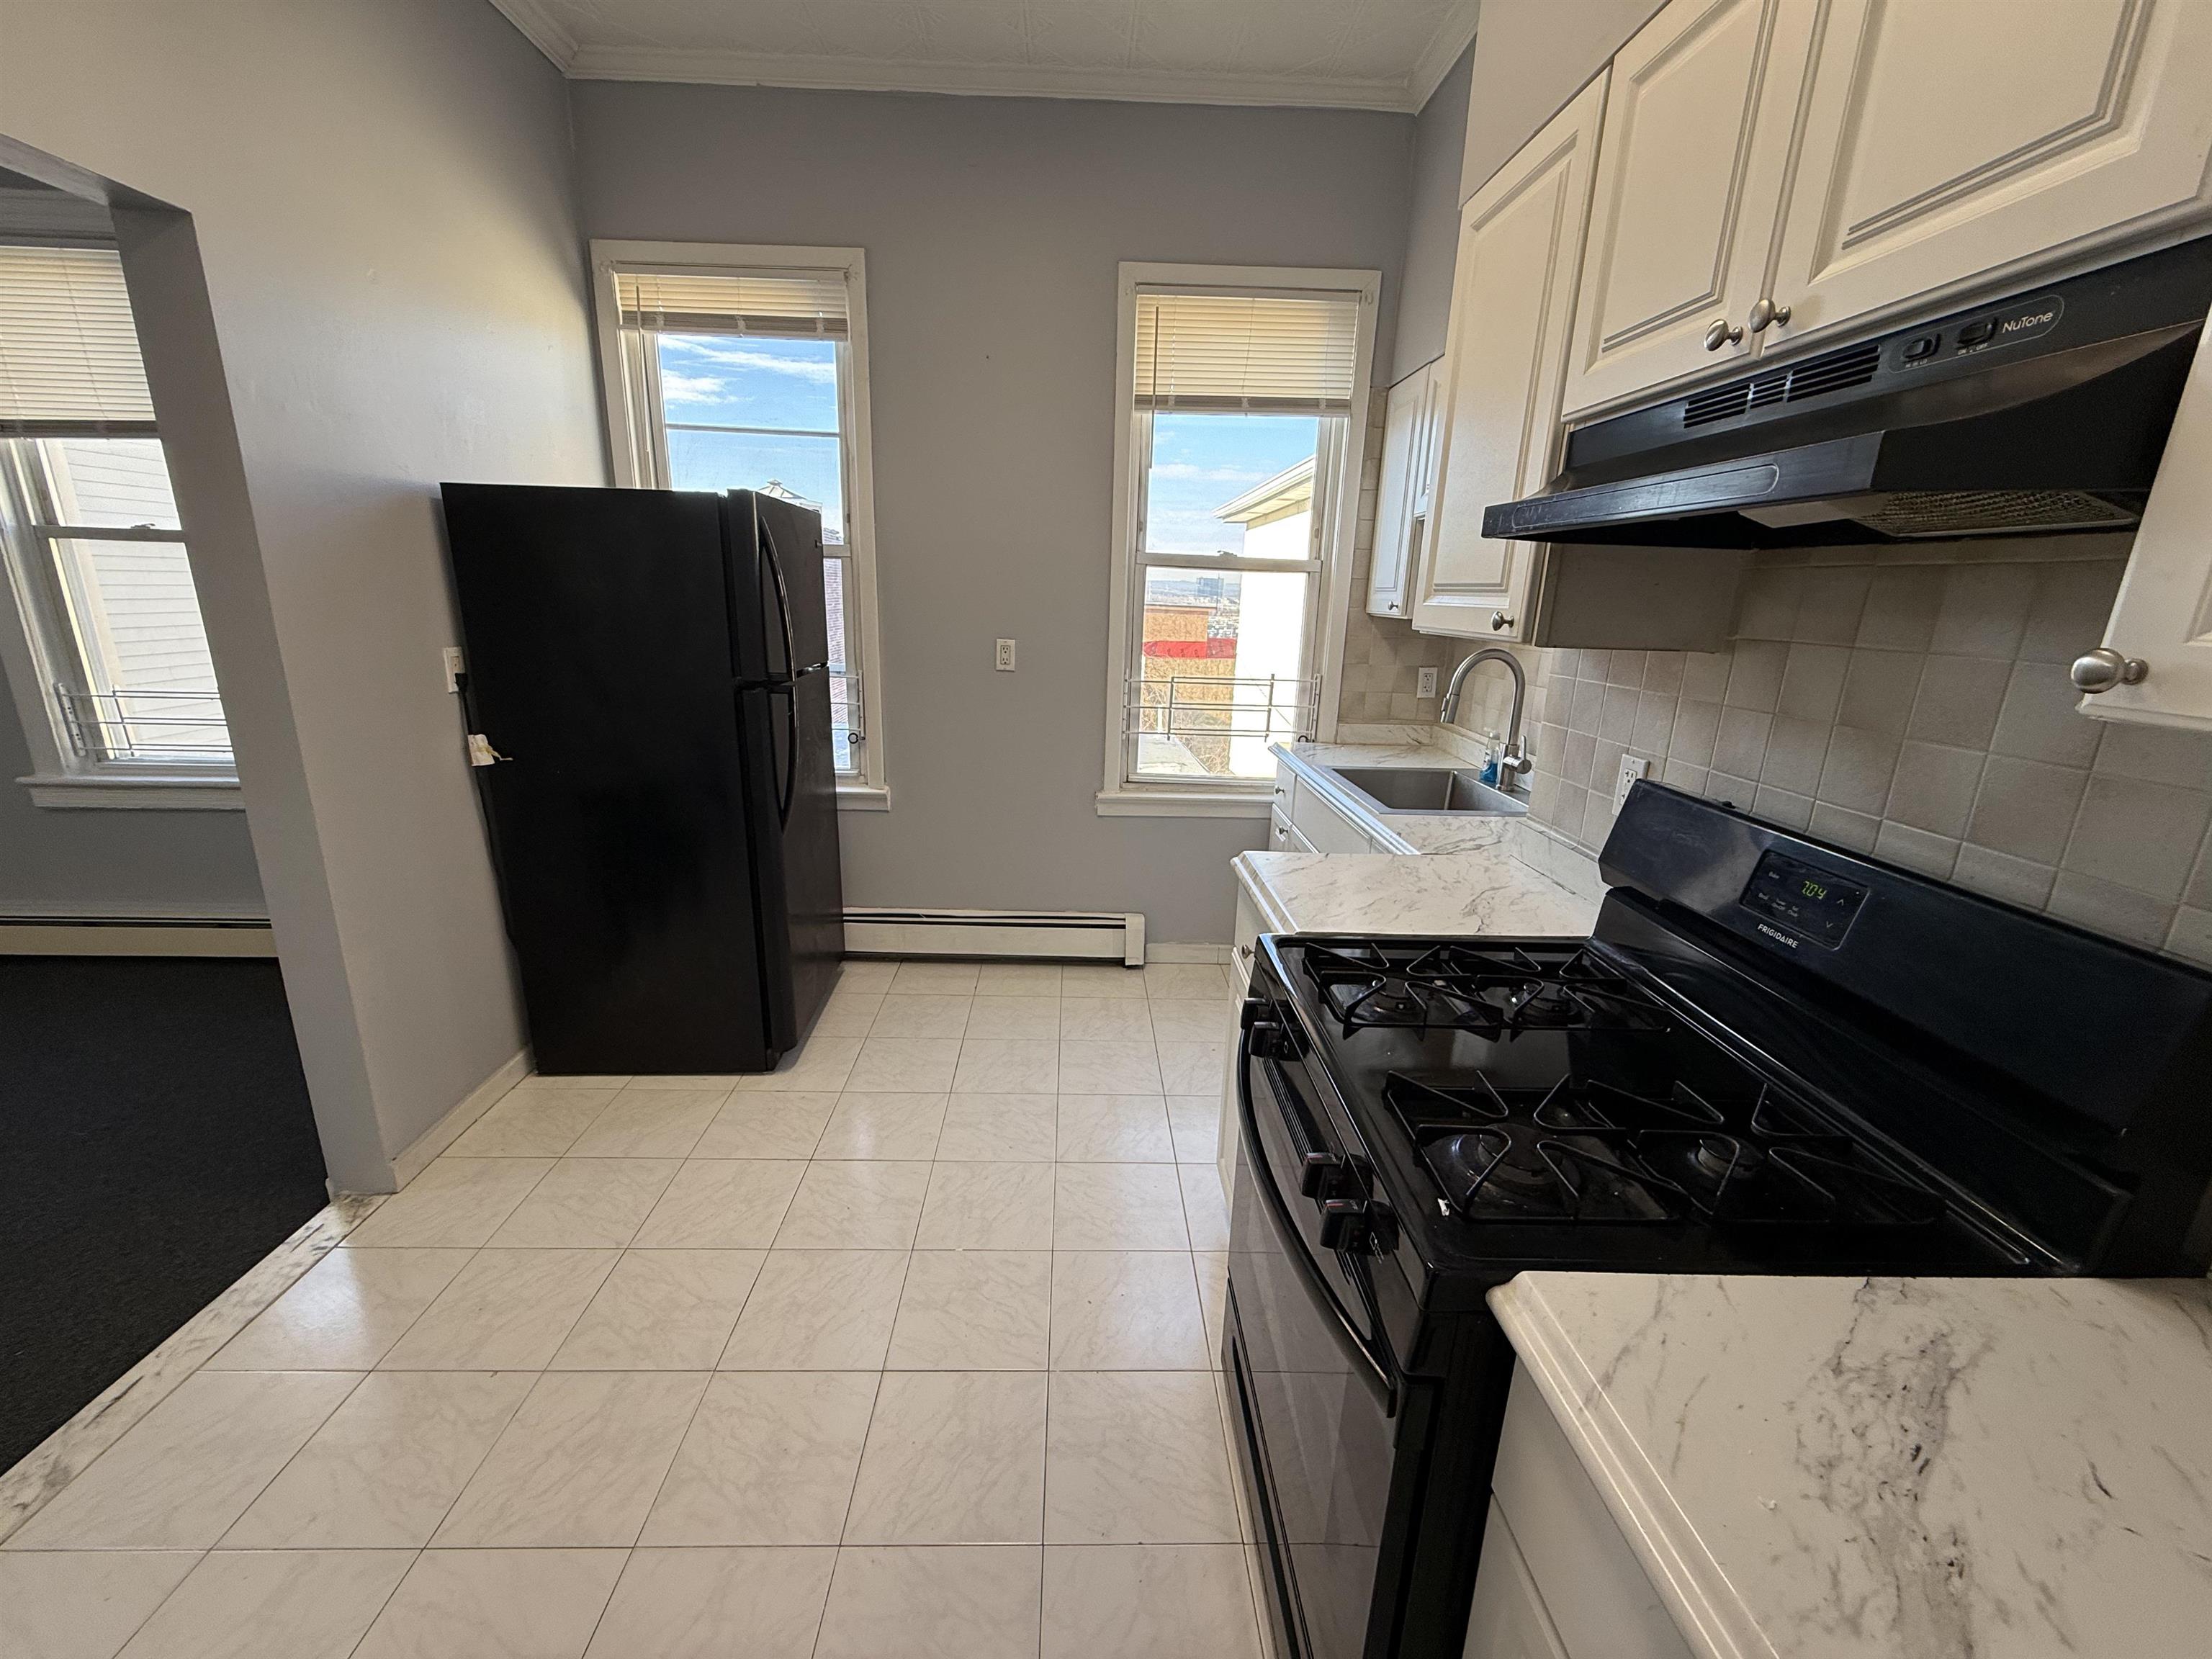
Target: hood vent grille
1991 512
1815 377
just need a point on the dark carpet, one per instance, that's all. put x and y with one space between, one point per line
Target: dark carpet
155 1142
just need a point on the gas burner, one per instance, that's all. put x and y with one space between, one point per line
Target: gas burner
1589 1150
1511 1173
1597 1104
1493 991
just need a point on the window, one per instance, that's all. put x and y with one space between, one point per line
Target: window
747 369
110 664
1238 461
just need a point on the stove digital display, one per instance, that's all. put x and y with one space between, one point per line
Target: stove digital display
1810 902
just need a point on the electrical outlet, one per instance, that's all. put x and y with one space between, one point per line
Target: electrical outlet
1427 685
1004 664
1632 767
454 670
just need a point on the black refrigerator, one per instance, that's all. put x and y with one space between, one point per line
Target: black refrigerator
649 668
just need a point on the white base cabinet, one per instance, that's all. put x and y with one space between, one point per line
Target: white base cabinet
1509 1620
1557 1580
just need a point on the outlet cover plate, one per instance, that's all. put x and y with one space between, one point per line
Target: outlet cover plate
1427 684
1632 767
1004 660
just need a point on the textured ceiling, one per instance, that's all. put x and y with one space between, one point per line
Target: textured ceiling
1362 54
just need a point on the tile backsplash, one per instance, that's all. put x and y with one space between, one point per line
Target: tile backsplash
1912 703
1383 656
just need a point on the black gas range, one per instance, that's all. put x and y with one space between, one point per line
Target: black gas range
1770 1056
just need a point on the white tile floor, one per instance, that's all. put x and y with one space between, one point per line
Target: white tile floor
906 1349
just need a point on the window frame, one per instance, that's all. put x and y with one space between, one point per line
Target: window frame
636 445
37 648
1123 795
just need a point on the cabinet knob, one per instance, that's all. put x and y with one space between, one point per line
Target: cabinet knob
1500 621
1764 314
1719 332
2103 668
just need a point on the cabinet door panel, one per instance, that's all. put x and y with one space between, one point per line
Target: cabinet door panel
1520 238
1396 505
1315 820
1508 1620
2164 611
2080 120
1690 176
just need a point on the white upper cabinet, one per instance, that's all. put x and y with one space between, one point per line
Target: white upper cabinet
1772 169
1690 177
1401 508
1498 384
2155 665
1945 140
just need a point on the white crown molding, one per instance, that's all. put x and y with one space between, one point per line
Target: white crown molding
542 29
744 68
1443 51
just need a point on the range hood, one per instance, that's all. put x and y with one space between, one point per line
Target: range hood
2041 412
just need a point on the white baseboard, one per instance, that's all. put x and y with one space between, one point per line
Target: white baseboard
1165 953
1069 935
447 1129
134 936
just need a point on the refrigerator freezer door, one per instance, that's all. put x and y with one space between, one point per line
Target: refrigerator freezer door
781 628
599 668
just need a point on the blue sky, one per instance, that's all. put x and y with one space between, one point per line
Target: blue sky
1200 461
729 381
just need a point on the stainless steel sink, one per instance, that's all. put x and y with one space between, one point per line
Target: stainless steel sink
1429 789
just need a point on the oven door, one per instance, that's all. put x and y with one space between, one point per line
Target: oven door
1314 1384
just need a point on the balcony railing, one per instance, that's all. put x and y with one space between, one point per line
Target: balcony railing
1214 726
129 725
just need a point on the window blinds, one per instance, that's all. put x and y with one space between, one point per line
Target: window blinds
1257 353
792 302
68 351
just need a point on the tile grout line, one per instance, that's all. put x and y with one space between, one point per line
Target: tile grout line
539 1372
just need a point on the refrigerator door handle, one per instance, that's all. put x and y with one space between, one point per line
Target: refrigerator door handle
782 605
789 791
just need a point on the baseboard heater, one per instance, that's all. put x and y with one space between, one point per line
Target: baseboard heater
135 936
1081 935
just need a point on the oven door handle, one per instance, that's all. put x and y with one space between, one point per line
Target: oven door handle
1356 1346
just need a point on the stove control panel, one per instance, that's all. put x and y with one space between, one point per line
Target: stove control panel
1811 902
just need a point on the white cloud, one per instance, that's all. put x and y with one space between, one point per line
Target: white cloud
1209 474
1190 530
823 373
691 388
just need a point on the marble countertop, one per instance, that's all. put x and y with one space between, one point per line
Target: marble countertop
1489 891
1913 1468
1413 832
1475 875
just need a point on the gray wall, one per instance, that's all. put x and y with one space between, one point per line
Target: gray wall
381 199
1530 57
993 227
1432 229
103 863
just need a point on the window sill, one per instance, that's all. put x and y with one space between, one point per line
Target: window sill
863 797
156 792
1185 803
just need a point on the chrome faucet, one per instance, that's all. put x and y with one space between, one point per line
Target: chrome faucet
1513 764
